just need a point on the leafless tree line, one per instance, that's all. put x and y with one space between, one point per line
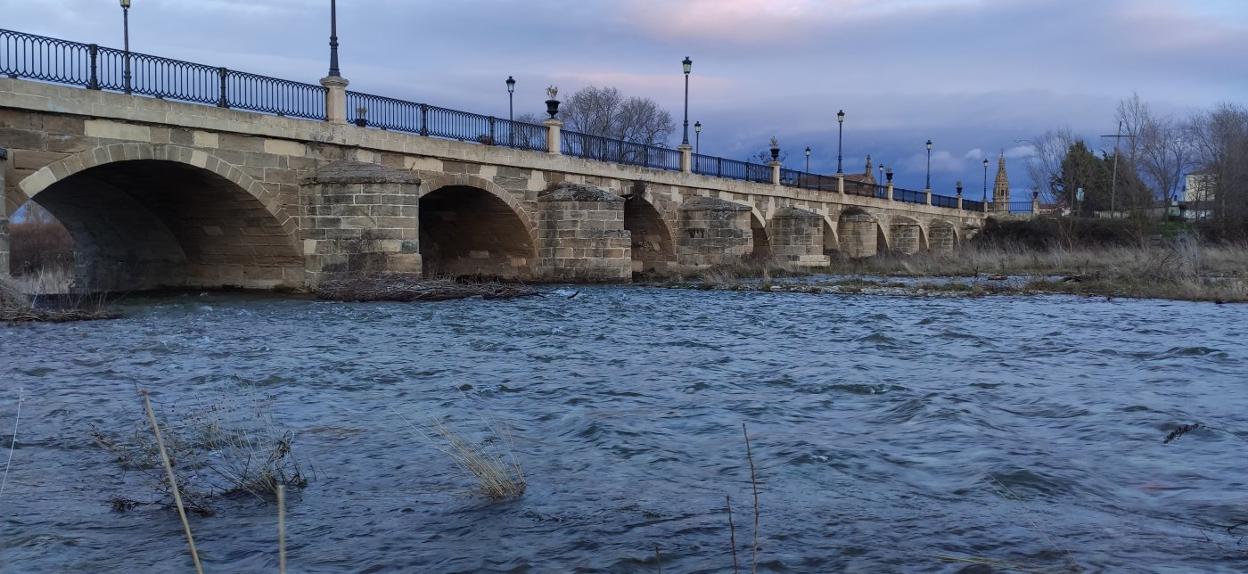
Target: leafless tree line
1161 151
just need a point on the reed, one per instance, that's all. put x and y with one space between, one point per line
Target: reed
749 455
732 535
17 419
173 481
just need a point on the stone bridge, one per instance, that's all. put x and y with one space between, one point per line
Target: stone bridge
158 193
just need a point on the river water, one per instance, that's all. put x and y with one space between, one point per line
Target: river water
890 434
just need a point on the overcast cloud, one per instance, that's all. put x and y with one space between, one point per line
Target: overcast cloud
975 76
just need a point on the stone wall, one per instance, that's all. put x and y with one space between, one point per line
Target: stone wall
906 236
941 237
713 232
858 235
360 219
582 235
797 237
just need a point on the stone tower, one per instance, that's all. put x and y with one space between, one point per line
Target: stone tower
1001 189
870 178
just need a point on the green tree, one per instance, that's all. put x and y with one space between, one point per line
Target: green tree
1081 169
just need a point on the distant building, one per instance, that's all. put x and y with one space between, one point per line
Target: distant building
1198 195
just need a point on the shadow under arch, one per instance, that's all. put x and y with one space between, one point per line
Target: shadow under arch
148 217
653 250
471 227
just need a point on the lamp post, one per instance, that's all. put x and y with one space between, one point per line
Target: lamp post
688 64
807 159
929 165
881 180
333 39
125 23
840 125
697 137
511 98
985 197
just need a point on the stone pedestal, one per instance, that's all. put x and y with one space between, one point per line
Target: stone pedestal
713 232
554 141
335 99
360 219
686 158
797 237
582 237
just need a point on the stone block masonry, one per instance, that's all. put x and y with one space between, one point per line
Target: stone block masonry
582 236
360 219
4 218
797 237
713 232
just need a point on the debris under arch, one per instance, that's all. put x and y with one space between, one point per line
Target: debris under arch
406 288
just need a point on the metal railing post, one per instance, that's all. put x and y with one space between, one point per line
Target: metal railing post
94 82
491 120
424 120
222 100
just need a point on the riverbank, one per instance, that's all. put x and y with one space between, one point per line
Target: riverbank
1180 270
17 307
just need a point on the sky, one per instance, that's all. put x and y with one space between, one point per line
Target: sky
977 77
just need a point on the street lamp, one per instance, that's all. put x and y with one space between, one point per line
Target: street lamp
929 165
697 137
125 22
688 64
807 159
985 197
511 98
881 180
840 124
333 40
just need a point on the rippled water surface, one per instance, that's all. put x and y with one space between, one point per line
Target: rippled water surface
890 434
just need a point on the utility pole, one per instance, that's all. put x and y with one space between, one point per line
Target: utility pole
1113 184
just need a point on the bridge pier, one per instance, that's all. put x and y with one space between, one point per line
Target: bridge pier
4 217
797 237
713 232
360 219
906 236
858 235
582 236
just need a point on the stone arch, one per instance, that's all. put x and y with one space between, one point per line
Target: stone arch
653 246
470 226
146 216
760 245
905 235
61 169
831 241
433 181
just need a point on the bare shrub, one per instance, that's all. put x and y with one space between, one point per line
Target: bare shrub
224 447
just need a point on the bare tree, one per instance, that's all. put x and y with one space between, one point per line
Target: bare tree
1219 139
1164 155
605 112
1045 166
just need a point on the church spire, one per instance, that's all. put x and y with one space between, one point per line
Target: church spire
1001 189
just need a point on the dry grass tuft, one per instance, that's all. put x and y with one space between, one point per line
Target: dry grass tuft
498 476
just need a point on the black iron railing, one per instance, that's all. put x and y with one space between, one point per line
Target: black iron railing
970 205
944 201
102 68
909 195
1020 206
